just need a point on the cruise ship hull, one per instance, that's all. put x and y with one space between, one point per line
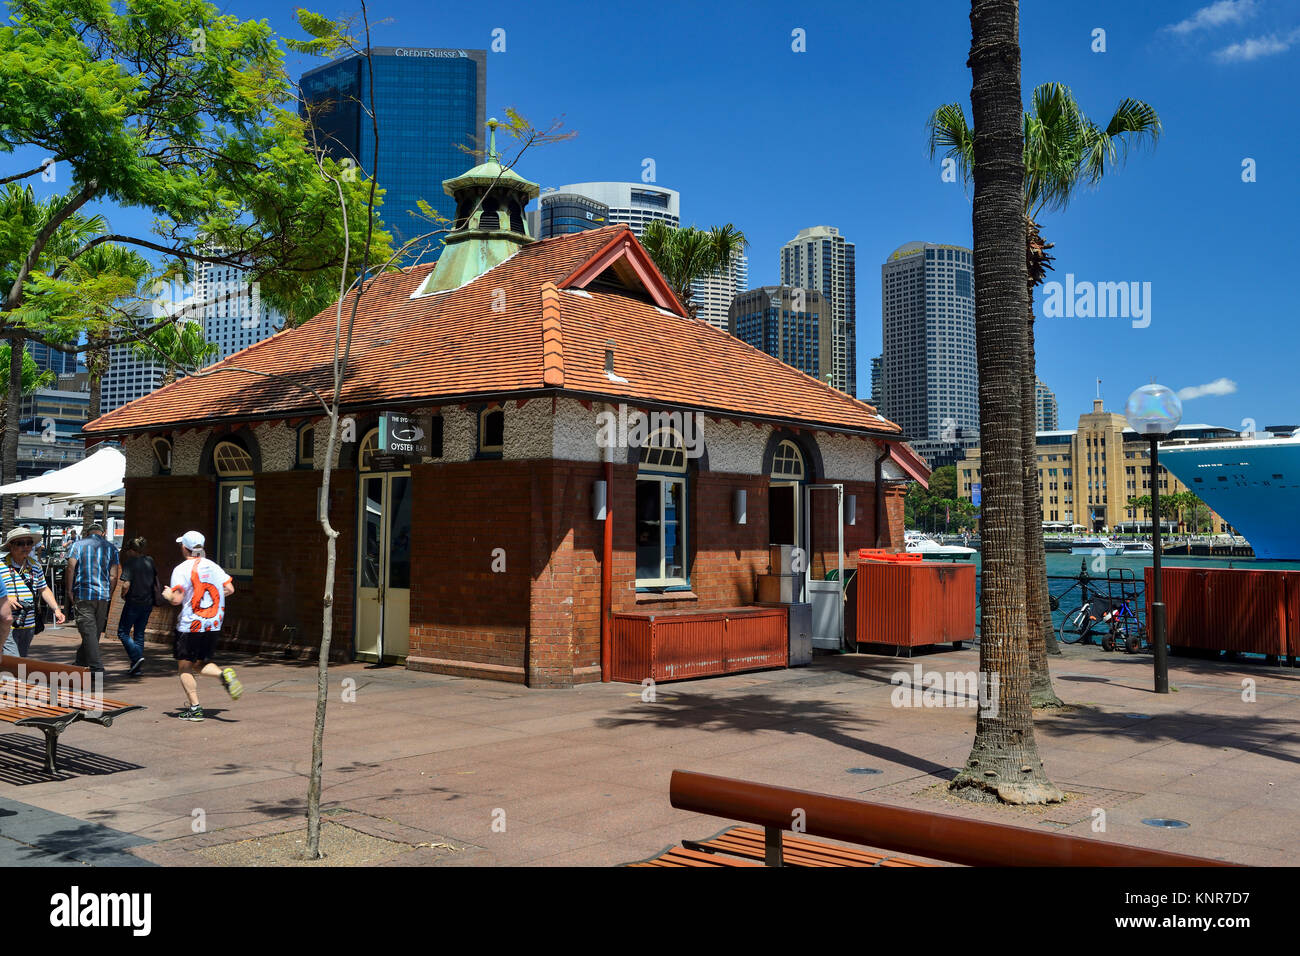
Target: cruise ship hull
1254 485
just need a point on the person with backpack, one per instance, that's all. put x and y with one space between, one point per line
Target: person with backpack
26 587
199 587
140 589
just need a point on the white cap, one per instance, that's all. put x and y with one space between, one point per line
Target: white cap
192 540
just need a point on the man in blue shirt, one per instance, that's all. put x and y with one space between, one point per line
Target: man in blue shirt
92 578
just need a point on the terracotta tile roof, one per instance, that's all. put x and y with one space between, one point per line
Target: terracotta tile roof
516 328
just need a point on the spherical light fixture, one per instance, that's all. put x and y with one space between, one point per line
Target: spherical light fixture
1153 410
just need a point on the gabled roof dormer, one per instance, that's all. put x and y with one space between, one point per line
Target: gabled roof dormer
623 265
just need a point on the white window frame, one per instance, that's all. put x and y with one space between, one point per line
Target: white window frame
663 463
242 474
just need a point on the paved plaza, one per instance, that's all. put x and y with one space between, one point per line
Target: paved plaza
429 770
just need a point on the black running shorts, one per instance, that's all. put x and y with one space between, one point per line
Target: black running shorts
196 645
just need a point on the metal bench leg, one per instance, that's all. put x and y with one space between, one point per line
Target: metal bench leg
51 748
773 854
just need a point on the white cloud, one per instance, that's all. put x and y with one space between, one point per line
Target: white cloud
1215 15
1256 47
1220 386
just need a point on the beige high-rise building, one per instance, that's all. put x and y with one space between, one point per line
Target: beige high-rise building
1087 475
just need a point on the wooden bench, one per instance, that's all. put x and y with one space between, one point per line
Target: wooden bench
60 695
936 836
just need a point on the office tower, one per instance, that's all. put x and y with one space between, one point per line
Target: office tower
428 102
52 360
793 325
713 295
560 212
877 381
633 203
1045 407
819 258
927 318
231 309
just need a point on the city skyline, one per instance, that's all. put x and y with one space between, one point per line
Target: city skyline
1181 75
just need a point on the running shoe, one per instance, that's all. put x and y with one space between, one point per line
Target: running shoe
191 713
233 686
135 667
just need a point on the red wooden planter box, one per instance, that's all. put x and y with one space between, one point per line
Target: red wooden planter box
680 645
911 605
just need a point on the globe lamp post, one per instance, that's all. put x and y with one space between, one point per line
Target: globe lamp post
1154 412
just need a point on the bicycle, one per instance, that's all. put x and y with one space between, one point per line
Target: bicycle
1080 623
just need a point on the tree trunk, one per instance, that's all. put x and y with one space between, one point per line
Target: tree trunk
322 664
1041 638
13 402
1004 763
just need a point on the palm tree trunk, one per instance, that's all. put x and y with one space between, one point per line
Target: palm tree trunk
1041 638
13 402
1004 762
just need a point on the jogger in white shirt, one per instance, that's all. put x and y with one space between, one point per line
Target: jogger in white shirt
199 587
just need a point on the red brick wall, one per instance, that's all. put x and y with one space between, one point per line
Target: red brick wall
467 618
277 609
538 620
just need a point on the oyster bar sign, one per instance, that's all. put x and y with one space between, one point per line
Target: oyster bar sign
402 435
403 51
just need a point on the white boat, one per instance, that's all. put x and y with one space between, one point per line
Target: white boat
917 543
1138 548
1096 545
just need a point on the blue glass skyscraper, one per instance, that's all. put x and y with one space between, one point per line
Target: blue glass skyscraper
429 103
52 360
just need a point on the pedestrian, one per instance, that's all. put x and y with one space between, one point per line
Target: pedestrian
139 585
6 612
199 587
91 580
26 587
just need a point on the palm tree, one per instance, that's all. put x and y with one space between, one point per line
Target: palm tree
685 255
117 274
24 217
1063 150
1004 763
179 346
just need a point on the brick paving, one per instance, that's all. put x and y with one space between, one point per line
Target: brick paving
485 773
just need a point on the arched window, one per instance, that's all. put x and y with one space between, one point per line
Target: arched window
491 432
369 446
306 446
661 527
231 461
787 463
236 506
162 452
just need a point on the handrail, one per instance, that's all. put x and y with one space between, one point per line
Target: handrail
938 836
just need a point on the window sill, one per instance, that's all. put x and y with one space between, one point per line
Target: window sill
663 597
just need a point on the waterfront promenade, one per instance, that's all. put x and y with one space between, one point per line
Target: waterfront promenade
431 770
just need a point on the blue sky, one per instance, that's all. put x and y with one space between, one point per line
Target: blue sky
772 140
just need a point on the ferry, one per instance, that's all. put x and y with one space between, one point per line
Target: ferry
1253 483
1094 545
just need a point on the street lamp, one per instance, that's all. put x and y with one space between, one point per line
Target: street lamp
1154 412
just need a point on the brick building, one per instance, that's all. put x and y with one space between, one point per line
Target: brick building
551 377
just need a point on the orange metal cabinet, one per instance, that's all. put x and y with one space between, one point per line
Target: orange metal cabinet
680 645
914 604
